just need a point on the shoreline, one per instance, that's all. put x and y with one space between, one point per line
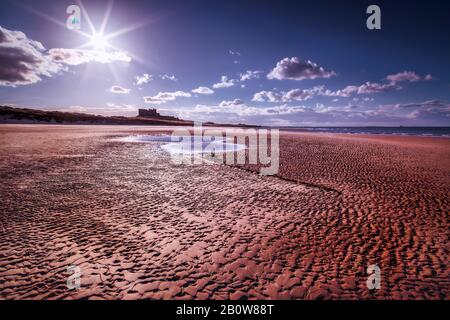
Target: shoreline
231 126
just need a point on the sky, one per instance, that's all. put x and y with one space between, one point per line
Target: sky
278 63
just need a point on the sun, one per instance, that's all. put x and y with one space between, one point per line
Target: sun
98 41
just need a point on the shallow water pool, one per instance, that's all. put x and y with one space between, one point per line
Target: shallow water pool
188 145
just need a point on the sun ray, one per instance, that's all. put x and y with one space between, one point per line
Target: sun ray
106 17
98 40
113 72
128 29
87 17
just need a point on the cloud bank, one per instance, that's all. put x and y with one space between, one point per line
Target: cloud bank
422 113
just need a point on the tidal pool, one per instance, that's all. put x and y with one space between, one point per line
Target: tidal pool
189 145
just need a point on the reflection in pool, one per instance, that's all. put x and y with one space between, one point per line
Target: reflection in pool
189 145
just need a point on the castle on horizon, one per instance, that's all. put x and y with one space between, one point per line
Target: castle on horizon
154 114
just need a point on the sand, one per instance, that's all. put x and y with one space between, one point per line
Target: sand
140 227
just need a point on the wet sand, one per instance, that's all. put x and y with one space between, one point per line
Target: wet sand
139 226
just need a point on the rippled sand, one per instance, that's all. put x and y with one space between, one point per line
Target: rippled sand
139 226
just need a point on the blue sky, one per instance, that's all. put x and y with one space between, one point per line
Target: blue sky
263 62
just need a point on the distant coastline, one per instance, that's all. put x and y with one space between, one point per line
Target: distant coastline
402 131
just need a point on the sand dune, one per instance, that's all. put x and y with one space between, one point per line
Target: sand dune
139 226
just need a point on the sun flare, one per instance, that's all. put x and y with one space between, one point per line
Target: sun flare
99 42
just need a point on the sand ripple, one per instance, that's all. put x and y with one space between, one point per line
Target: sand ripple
141 227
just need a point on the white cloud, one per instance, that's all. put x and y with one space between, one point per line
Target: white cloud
393 83
268 96
424 113
296 69
238 107
144 78
234 53
76 57
249 74
203 90
231 103
163 97
224 83
287 96
168 77
119 90
404 76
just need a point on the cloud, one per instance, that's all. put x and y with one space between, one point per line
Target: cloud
224 83
76 57
302 94
296 69
366 88
248 75
163 97
144 78
370 87
119 90
403 76
203 90
393 83
234 53
268 96
427 105
345 93
288 96
424 113
168 77
432 112
239 108
22 60
231 103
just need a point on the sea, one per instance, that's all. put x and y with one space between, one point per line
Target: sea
404 131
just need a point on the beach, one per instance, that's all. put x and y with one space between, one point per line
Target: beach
140 227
